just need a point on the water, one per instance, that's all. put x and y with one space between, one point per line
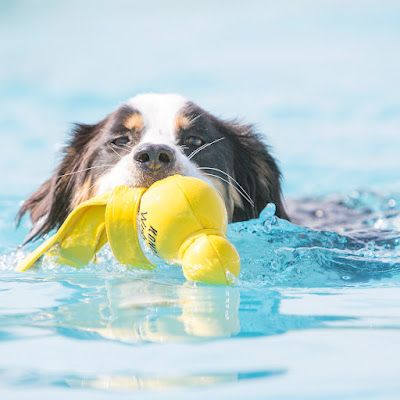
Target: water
315 313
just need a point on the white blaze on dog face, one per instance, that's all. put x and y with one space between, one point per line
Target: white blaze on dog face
159 113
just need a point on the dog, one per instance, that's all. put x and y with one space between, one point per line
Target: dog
148 138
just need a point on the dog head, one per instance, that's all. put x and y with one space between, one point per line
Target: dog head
148 138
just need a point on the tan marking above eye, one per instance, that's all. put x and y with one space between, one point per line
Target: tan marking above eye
182 122
134 121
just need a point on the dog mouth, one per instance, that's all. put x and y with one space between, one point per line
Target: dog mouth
147 178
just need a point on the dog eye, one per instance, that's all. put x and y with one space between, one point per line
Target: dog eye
121 141
194 141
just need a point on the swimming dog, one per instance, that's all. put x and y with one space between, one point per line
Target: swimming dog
150 137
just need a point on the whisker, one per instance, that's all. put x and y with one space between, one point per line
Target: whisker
91 187
194 152
230 183
110 147
230 177
129 147
83 170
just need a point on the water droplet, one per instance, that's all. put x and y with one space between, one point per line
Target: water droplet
268 212
391 203
319 213
380 224
230 278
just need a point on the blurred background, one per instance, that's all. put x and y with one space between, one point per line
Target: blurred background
319 79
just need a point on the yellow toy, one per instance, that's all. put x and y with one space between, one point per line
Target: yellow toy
182 220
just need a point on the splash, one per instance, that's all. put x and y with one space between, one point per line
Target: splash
350 239
278 252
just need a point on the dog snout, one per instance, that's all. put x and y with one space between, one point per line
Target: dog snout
154 157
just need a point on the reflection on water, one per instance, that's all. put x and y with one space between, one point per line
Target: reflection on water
129 382
134 310
142 310
127 309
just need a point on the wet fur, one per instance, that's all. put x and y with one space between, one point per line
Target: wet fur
242 154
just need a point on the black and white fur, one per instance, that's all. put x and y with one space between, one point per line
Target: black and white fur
148 138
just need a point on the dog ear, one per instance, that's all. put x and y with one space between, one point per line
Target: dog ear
38 205
255 169
53 201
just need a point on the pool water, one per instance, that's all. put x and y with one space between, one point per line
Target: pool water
315 313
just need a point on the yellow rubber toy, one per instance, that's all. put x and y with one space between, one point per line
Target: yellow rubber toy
182 219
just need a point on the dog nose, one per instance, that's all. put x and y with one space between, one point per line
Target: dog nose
154 156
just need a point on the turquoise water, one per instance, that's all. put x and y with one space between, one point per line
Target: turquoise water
315 314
